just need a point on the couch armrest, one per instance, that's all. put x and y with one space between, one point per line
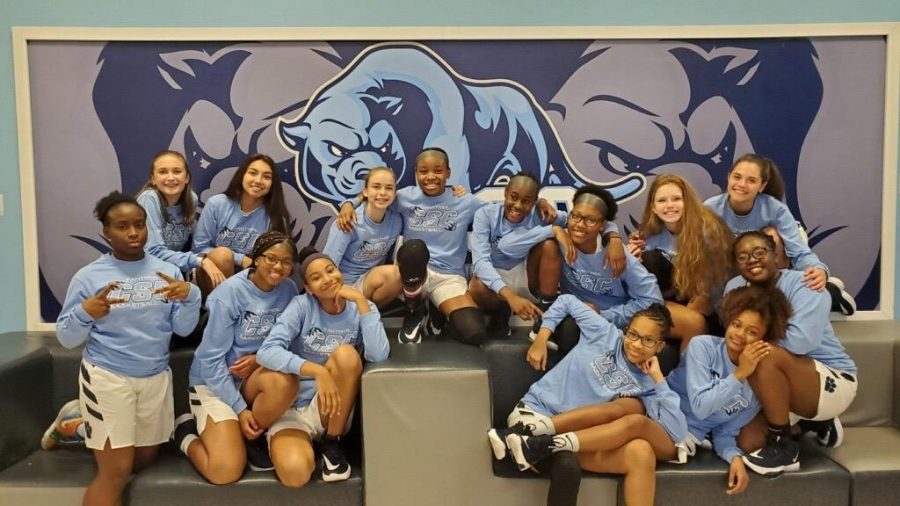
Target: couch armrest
25 393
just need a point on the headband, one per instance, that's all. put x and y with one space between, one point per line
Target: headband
594 201
310 259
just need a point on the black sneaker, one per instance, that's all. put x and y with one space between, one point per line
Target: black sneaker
778 456
841 300
185 425
829 433
413 324
258 454
434 322
334 464
497 437
529 450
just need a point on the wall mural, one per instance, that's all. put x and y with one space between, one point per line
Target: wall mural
570 111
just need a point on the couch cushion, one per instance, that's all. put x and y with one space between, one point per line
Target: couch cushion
872 456
871 345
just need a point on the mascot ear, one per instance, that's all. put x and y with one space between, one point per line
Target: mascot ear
293 135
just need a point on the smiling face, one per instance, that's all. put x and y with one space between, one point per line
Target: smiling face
746 328
745 183
755 260
518 199
323 279
126 229
273 266
668 205
170 176
257 181
381 189
641 332
584 225
432 173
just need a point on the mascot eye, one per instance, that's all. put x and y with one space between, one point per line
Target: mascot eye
615 159
502 180
335 150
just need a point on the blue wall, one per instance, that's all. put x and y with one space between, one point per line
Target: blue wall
130 13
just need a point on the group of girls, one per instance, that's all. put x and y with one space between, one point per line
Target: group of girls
525 252
780 371
127 305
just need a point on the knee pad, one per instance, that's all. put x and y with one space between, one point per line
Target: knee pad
469 325
565 478
566 335
660 266
412 259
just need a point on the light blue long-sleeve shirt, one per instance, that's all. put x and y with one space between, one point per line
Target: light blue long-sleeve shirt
240 317
498 244
768 211
597 371
306 332
809 331
166 239
133 339
664 241
442 222
222 223
616 298
713 400
364 247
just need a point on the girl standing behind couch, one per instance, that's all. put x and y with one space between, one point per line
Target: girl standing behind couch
252 204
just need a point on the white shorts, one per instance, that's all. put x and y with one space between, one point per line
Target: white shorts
443 287
360 281
205 403
306 419
125 410
837 389
516 279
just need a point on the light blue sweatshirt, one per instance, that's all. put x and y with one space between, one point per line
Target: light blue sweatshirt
597 371
240 317
713 400
366 246
664 241
809 331
498 244
306 332
616 298
769 211
133 339
166 239
222 223
442 222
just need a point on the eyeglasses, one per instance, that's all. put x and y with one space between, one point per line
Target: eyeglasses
646 341
588 222
271 261
757 253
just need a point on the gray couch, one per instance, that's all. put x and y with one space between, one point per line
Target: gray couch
424 415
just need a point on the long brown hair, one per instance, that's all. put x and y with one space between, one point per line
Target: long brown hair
703 262
185 200
279 217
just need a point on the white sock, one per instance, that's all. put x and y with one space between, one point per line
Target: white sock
542 427
186 442
566 442
80 430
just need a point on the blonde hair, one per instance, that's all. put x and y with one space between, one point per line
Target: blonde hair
703 262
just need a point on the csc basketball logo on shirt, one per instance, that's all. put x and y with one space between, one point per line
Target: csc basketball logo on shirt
138 292
239 239
255 326
325 341
175 235
591 281
613 378
433 219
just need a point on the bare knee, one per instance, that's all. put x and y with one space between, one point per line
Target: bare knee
279 383
225 471
295 472
639 457
345 359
